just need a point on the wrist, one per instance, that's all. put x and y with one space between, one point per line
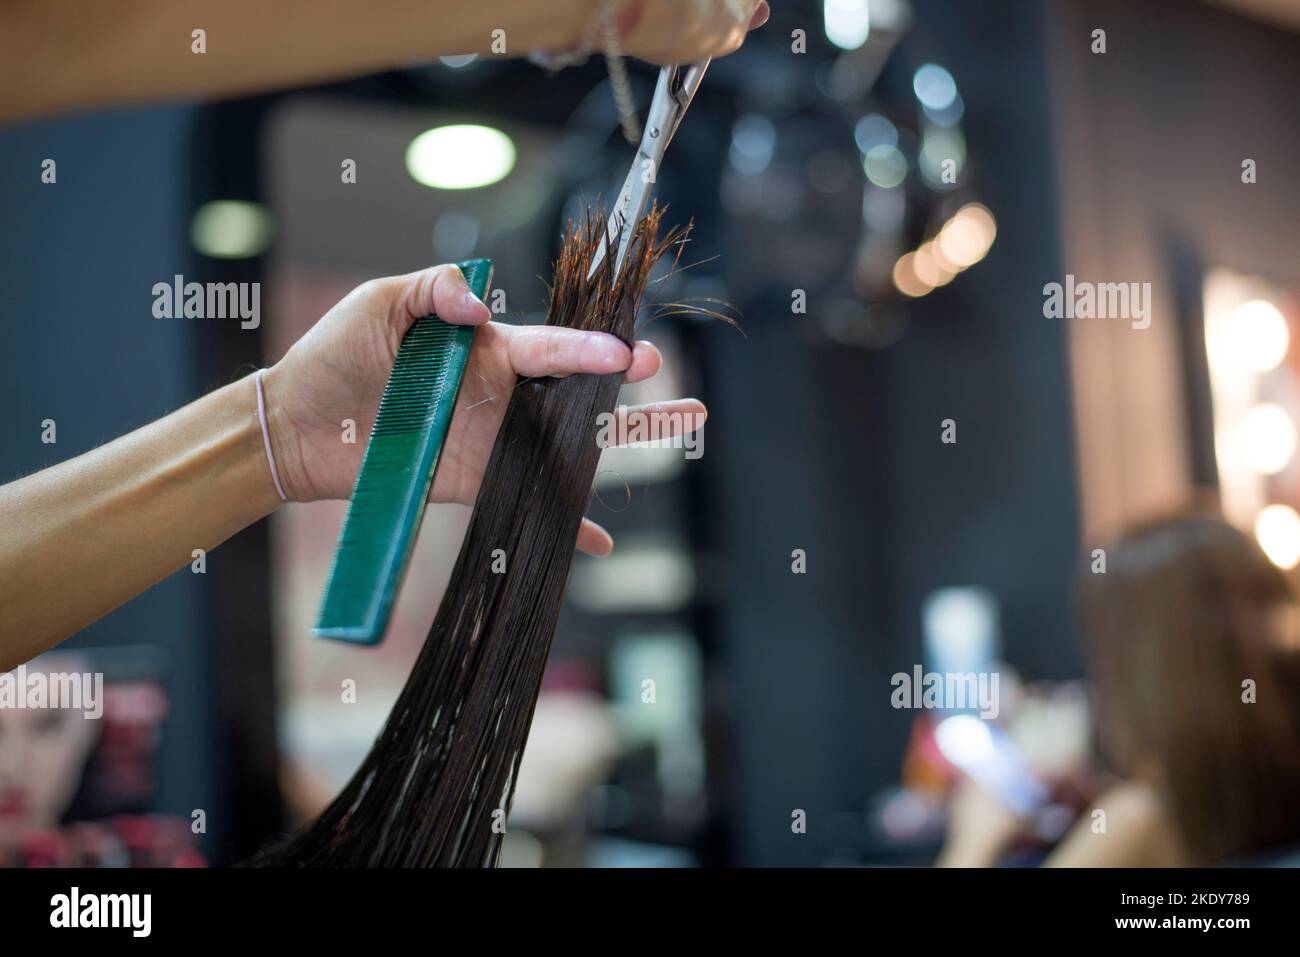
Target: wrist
584 30
218 448
555 27
282 459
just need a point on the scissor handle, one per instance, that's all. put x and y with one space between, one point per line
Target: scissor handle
673 94
684 80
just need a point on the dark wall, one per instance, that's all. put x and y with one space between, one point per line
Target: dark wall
837 451
78 259
999 508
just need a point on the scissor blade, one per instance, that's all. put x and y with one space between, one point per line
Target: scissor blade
627 210
673 94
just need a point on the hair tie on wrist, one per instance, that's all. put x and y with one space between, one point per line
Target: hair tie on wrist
266 437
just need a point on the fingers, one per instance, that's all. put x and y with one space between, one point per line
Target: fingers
594 540
685 31
533 350
734 36
440 291
557 351
665 419
672 418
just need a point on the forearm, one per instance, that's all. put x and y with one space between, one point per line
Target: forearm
62 54
86 535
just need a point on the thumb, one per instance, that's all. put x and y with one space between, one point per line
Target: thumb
440 291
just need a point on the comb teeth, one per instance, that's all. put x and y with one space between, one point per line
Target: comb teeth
398 468
405 406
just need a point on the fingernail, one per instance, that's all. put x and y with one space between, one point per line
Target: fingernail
473 304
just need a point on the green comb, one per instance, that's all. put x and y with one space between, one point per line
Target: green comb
393 484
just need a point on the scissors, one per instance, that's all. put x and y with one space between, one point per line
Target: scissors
673 94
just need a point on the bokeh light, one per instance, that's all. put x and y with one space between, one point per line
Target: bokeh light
848 22
934 87
231 229
885 166
1277 529
967 237
1267 437
463 156
1259 335
906 280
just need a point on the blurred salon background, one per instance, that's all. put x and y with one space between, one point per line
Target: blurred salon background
905 464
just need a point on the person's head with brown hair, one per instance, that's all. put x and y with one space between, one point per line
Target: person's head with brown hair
1194 638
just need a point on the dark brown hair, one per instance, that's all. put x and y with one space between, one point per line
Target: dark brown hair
1188 610
436 787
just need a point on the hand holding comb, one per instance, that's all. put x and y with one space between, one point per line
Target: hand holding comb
393 483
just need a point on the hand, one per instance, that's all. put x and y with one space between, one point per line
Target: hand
683 31
338 371
980 827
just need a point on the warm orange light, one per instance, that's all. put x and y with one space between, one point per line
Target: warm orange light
927 266
967 237
905 278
